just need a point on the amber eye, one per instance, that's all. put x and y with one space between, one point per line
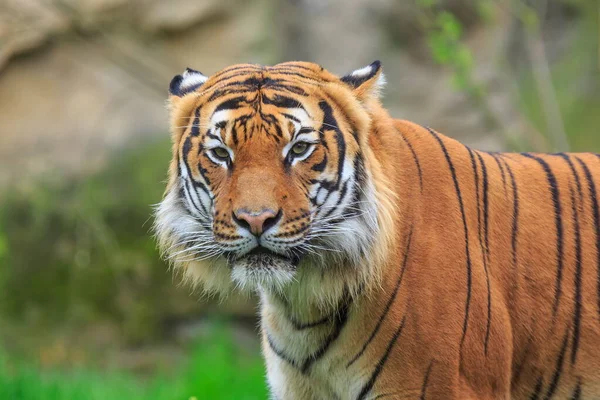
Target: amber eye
300 148
220 153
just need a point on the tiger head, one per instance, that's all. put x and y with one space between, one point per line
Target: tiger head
271 183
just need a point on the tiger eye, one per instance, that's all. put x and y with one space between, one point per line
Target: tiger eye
221 153
299 148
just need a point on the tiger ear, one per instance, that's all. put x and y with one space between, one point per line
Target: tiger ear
366 81
187 82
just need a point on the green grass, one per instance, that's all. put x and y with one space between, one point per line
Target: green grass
217 369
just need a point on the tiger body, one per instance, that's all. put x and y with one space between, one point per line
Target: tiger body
399 263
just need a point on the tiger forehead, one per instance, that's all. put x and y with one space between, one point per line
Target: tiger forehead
292 71
301 79
274 101
244 123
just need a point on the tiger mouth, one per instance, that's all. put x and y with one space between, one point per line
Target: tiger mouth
263 257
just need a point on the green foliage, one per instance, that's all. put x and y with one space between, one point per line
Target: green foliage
444 33
486 10
577 87
78 253
83 250
216 370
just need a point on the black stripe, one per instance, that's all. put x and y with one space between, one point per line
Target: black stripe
537 390
278 352
230 104
381 363
596 212
307 325
187 194
320 167
234 73
553 186
203 172
281 101
486 252
290 66
558 368
304 129
483 250
466 230
348 118
227 90
516 377
290 116
360 177
330 123
286 86
234 134
341 196
388 304
577 391
186 149
576 205
340 321
485 204
578 295
247 69
185 190
477 199
306 79
567 159
426 381
415 158
212 136
195 131
502 172
515 220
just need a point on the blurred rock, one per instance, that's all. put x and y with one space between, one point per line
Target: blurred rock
96 72
180 15
26 25
74 100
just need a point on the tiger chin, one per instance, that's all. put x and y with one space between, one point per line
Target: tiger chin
391 261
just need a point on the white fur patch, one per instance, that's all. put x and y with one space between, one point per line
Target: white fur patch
273 275
192 78
364 71
219 116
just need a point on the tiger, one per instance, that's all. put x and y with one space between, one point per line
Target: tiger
390 261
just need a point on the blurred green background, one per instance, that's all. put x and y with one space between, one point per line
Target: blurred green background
87 308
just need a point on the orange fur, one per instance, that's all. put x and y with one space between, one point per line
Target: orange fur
481 282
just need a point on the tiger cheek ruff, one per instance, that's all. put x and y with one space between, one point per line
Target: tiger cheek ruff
391 261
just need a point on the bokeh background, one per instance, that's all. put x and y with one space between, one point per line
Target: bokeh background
87 308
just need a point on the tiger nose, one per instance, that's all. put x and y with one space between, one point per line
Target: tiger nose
256 222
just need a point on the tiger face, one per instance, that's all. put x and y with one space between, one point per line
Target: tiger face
269 180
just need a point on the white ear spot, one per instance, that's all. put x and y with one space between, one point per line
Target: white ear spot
362 72
187 82
363 75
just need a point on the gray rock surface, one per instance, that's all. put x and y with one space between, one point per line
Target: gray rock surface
81 78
